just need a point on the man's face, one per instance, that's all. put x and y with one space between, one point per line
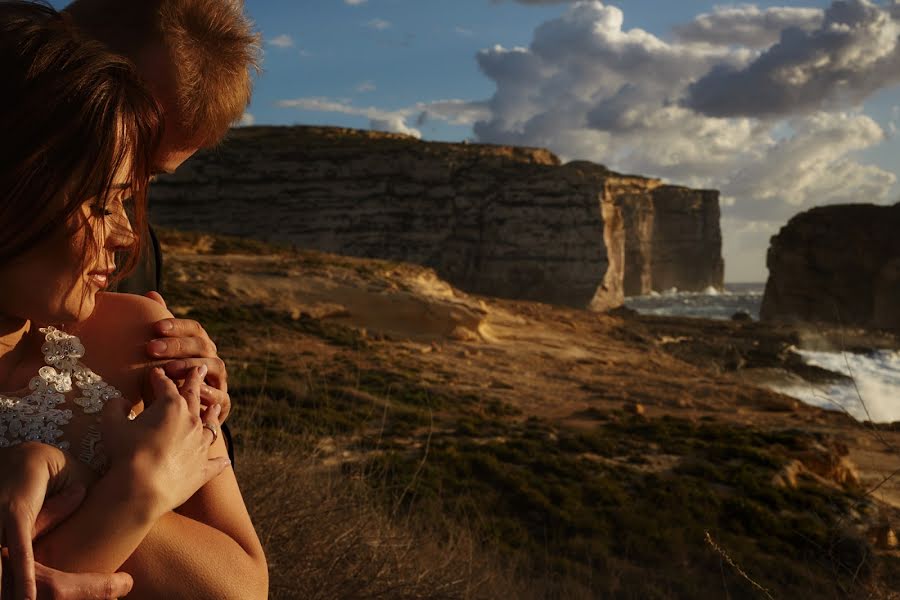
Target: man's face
168 162
172 153
174 149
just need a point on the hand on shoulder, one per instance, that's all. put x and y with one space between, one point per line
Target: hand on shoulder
122 309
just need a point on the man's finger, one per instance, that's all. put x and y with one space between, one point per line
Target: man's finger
210 396
58 508
82 586
21 556
180 328
216 375
182 347
157 297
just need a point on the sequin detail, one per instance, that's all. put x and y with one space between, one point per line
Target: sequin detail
37 416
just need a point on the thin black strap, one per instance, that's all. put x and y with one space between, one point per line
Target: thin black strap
157 253
229 443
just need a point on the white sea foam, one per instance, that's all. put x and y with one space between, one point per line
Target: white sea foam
711 303
874 393
874 396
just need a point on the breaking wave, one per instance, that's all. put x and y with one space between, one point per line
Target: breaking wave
709 304
871 394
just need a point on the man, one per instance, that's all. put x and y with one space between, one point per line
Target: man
197 57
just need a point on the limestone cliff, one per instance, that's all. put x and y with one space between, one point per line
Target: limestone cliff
837 264
494 220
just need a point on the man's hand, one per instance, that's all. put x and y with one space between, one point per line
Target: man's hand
56 585
187 345
32 472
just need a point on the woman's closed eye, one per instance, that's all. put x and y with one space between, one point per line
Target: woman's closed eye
110 208
101 210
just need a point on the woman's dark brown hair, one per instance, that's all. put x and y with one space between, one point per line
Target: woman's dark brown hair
72 114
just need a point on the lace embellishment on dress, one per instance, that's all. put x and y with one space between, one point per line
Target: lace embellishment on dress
36 417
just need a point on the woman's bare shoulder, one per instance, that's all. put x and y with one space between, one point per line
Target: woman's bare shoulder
119 309
120 327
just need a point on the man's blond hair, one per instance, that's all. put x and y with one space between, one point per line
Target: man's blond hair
210 53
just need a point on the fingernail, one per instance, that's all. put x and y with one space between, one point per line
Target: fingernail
158 346
203 371
166 326
216 410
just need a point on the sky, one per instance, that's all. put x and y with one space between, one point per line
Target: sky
779 105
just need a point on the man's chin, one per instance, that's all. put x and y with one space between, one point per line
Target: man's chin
169 161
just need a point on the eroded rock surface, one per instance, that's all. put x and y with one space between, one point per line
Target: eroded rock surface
837 264
494 220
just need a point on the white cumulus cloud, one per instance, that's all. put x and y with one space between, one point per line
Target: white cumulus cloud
748 25
588 88
406 120
852 54
378 24
246 120
762 104
281 41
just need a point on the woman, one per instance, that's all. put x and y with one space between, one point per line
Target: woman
77 133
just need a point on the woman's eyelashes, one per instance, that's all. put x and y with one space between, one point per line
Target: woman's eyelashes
101 210
108 208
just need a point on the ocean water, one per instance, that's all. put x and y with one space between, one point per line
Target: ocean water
872 395
711 304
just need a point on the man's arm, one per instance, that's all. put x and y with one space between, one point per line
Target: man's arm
159 461
183 342
186 345
206 549
31 470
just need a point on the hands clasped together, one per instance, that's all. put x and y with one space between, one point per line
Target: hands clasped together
163 454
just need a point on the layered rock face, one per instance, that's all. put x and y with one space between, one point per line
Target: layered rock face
493 220
839 265
674 239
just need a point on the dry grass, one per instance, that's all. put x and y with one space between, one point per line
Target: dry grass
328 537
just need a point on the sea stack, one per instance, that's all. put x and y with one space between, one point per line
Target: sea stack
838 265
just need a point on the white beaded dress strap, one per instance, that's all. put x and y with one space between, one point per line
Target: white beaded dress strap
37 416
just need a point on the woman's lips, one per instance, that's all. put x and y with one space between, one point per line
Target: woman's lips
100 278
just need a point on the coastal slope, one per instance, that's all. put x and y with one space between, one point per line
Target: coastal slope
587 455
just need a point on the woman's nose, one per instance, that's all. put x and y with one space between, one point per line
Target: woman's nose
120 236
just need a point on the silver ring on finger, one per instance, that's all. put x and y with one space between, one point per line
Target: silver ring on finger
214 429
